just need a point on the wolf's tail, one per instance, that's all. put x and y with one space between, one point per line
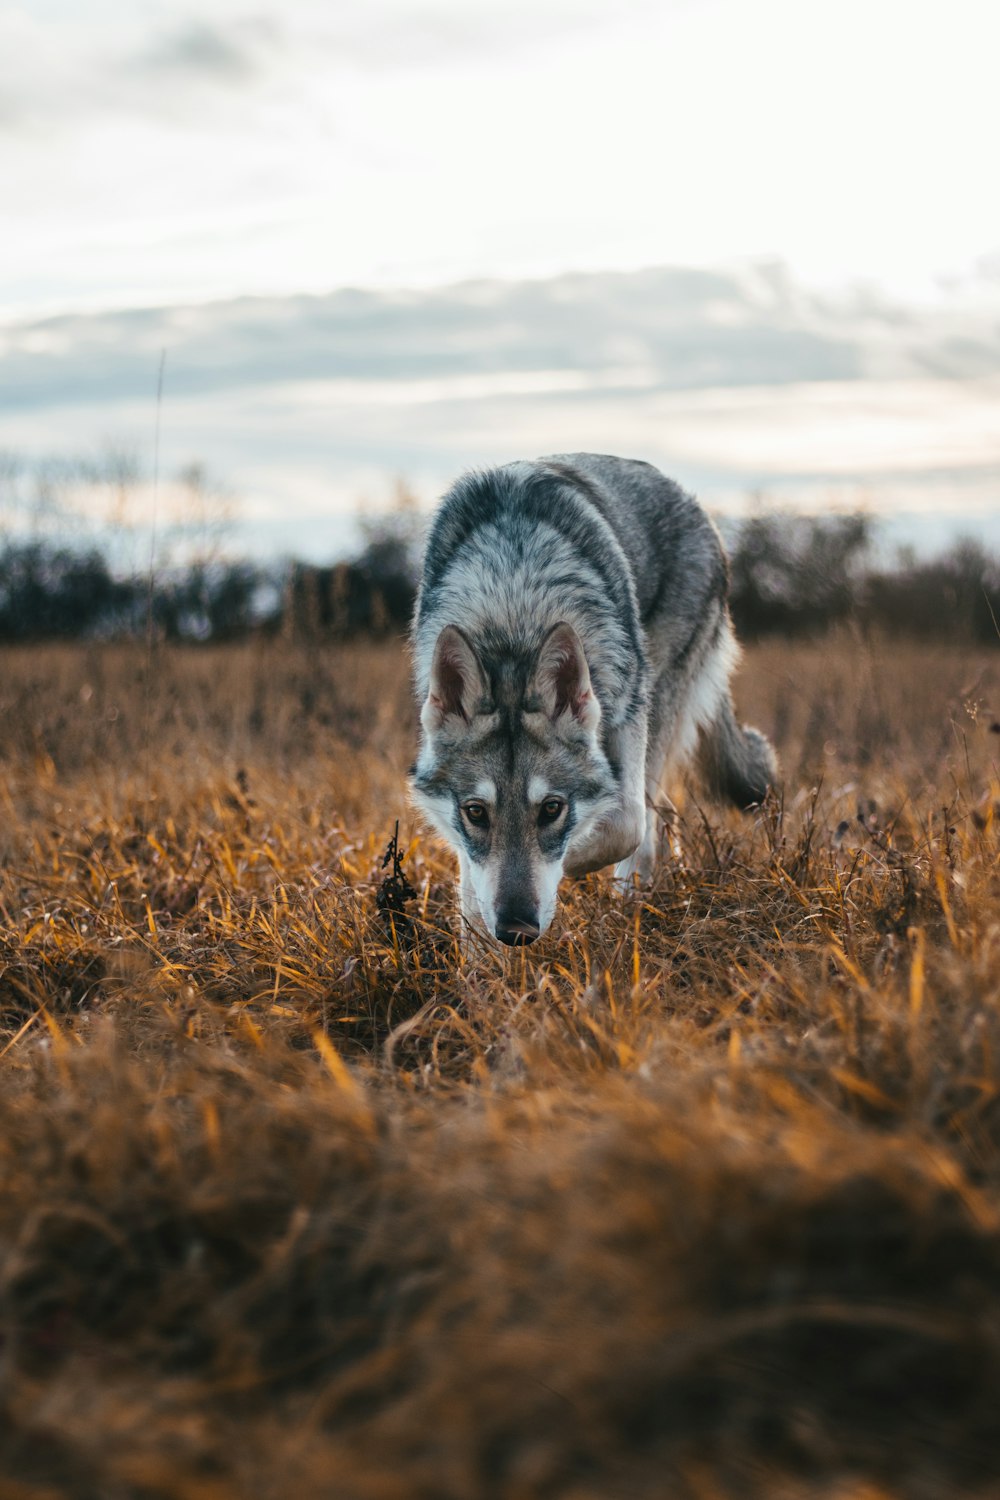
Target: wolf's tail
737 762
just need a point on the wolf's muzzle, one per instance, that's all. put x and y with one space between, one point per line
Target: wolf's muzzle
517 928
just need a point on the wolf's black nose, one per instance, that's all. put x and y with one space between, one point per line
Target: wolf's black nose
516 928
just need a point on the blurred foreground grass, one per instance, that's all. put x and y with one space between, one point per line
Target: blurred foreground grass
699 1196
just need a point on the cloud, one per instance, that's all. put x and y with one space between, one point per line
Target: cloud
731 380
663 329
58 69
669 329
55 72
402 33
203 51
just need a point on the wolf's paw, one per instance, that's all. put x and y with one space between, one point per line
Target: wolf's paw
638 869
616 838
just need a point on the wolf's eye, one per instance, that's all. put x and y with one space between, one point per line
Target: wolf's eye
550 810
476 814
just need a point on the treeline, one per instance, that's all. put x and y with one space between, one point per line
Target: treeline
794 575
791 576
99 548
55 591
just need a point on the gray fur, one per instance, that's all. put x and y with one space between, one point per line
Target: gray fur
735 760
571 637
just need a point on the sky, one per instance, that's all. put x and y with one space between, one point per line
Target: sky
756 244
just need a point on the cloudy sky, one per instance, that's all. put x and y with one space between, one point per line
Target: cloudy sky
757 244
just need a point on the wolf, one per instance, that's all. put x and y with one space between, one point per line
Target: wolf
571 644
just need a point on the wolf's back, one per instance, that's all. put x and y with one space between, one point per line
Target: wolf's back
673 550
516 549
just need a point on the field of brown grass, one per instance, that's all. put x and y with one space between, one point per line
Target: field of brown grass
699 1196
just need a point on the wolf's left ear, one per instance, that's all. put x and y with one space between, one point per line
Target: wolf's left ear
562 679
457 682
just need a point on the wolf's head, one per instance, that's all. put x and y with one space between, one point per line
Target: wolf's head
511 772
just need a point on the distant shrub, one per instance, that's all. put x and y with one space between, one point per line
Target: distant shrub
348 599
373 594
218 601
952 597
796 575
55 593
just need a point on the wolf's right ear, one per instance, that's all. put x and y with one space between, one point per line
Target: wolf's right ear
562 679
457 682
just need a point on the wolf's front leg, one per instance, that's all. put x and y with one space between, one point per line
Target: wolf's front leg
616 835
612 839
661 830
641 861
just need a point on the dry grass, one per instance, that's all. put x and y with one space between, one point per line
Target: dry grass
700 1196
